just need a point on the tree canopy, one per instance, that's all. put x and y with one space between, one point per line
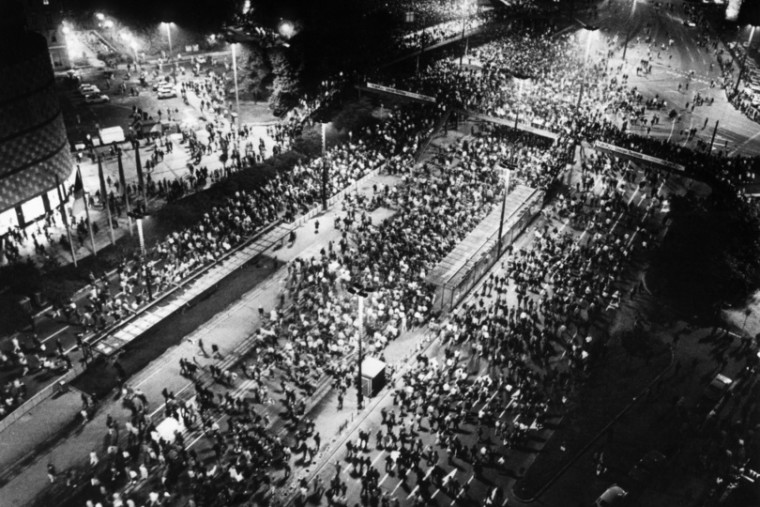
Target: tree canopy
711 254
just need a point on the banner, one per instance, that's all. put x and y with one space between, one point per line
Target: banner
402 93
511 123
616 150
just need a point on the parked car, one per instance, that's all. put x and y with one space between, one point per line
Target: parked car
612 497
96 98
87 89
166 93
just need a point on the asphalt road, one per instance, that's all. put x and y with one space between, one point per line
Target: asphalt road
692 51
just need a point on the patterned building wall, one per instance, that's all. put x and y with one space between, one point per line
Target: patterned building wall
33 144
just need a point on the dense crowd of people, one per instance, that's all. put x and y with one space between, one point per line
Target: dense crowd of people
532 321
434 34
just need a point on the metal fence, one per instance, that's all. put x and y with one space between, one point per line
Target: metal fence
451 293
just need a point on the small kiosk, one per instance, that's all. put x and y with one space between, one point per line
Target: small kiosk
373 376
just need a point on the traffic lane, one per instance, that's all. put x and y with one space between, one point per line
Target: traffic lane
405 488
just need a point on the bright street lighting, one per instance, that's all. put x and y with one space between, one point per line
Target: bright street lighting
286 29
100 16
168 34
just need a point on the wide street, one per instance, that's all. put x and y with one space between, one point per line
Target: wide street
686 67
493 402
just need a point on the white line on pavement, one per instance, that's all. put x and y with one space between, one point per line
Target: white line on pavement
64 328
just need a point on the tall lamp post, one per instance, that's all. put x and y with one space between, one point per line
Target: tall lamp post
465 17
520 78
235 78
744 60
628 32
361 294
168 26
507 173
589 31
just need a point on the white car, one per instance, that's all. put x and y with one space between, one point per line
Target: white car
166 93
96 98
88 89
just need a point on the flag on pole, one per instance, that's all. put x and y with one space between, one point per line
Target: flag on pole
79 196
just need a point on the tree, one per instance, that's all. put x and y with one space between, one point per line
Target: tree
711 254
287 89
257 73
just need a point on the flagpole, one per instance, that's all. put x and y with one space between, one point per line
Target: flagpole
65 220
104 195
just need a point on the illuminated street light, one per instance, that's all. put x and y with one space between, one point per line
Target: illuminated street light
286 29
590 31
100 16
168 34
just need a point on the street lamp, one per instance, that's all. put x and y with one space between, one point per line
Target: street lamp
286 29
628 32
744 60
168 26
590 30
465 17
361 294
235 78
507 174
521 78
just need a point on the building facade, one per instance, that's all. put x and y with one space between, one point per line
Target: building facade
34 149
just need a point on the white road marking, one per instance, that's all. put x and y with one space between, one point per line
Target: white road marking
64 328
